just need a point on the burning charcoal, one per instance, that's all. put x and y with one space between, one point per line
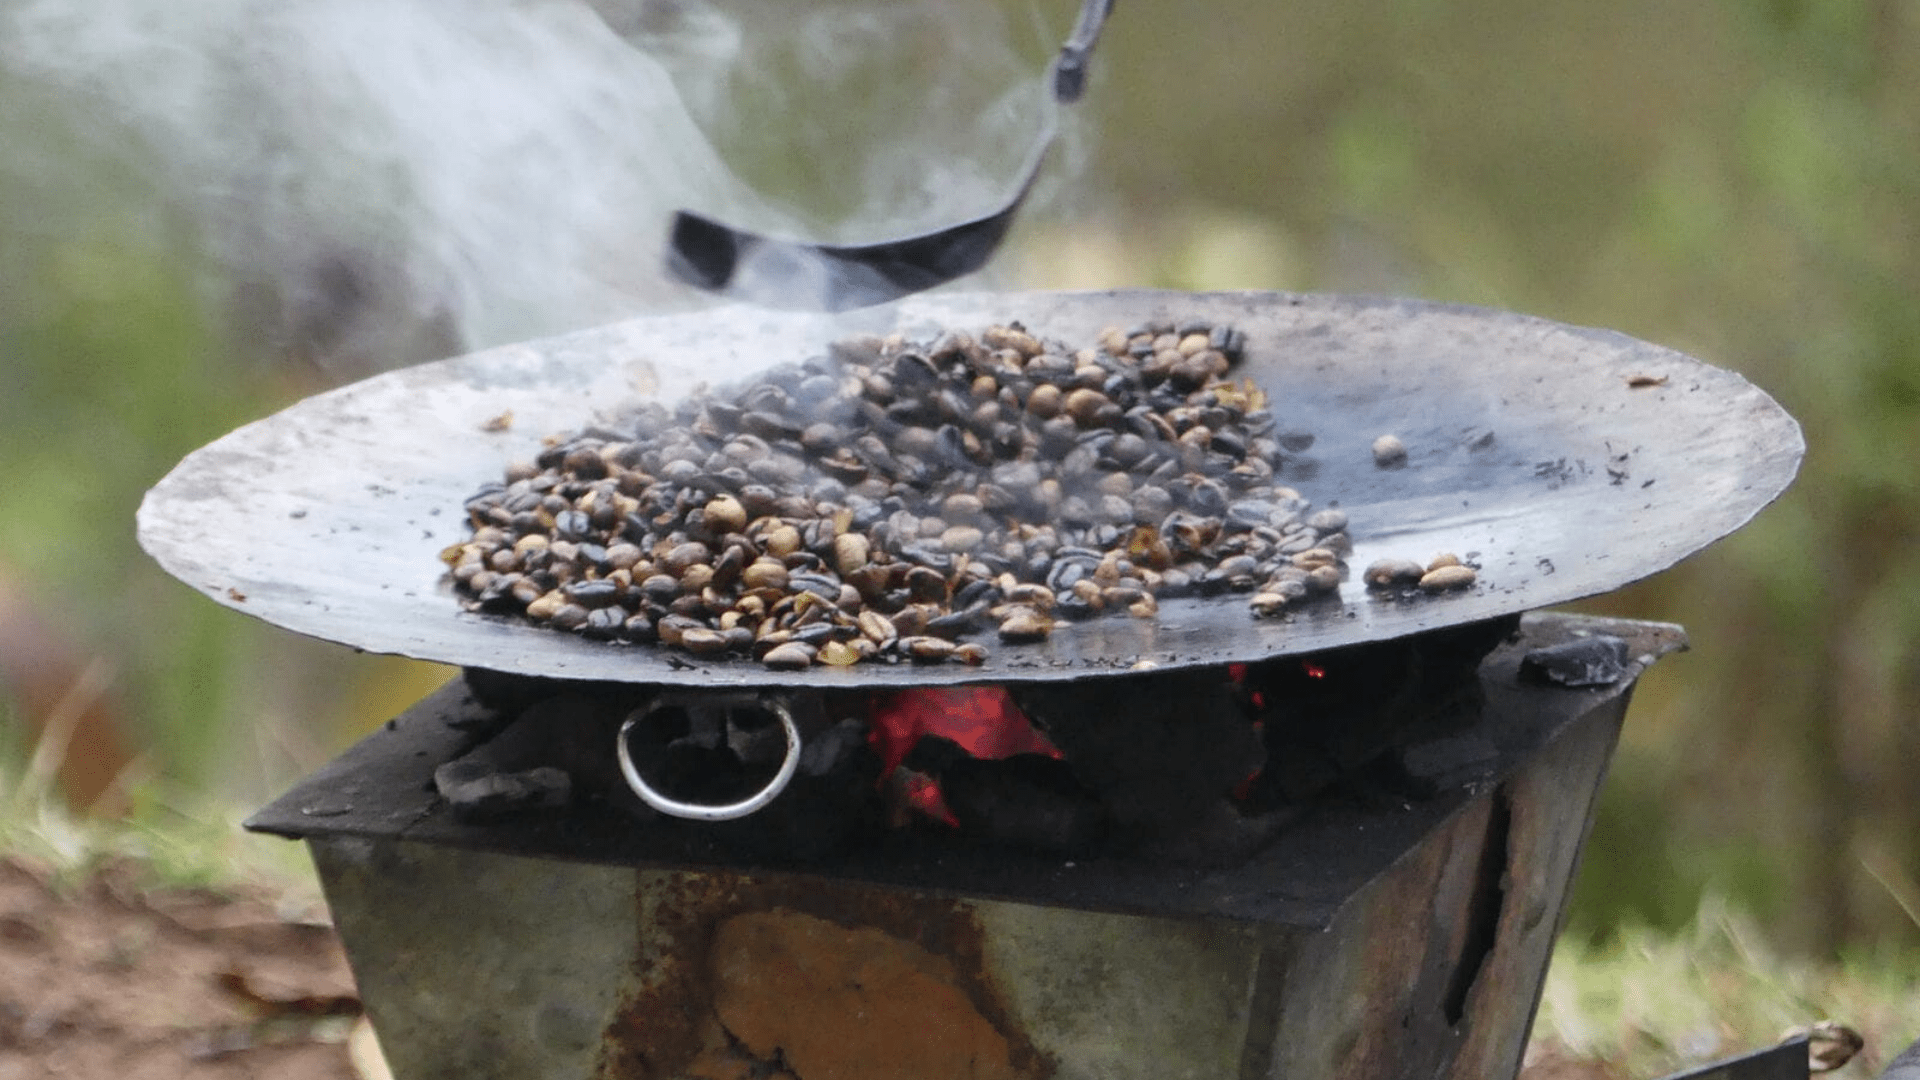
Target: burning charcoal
1158 750
1600 660
1029 801
1325 715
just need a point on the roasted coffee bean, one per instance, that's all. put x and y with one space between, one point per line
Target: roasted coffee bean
591 554
791 656
825 587
1312 557
1025 624
1447 577
702 641
961 539
727 568
725 515
1328 521
682 557
869 495
696 578
1323 579
926 585
978 591
572 525
927 556
782 541
850 552
606 622
1386 573
1299 541
814 634
956 623
925 649
765 573
592 594
1389 452
838 654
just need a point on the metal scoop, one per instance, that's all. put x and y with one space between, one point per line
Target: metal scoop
832 277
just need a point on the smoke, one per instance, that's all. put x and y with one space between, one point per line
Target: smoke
375 182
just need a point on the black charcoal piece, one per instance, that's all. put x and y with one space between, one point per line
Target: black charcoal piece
1027 801
477 792
1600 660
1443 764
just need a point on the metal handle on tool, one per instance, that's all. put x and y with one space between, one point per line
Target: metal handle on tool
705 811
1070 68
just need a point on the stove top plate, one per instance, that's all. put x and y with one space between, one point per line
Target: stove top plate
1563 462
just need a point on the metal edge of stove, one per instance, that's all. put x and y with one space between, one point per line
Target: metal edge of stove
1787 1061
382 789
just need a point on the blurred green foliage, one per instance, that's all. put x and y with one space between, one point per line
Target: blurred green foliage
1736 178
112 367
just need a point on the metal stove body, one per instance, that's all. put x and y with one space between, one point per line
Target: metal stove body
1373 937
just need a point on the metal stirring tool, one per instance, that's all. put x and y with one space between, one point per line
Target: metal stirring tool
781 273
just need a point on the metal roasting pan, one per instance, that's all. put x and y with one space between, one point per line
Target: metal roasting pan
1563 462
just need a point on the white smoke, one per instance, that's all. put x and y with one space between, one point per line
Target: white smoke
383 181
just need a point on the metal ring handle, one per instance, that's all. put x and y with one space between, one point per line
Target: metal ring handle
705 811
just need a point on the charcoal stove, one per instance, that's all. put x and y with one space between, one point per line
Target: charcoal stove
1334 844
1399 926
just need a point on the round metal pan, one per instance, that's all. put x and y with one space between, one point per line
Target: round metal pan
1563 462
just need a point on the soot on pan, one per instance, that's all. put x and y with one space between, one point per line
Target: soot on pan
893 499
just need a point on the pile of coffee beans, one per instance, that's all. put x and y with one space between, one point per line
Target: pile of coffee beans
894 500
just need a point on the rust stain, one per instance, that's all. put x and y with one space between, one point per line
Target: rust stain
840 1003
799 967
665 1024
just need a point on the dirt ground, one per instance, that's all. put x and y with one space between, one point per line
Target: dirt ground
108 980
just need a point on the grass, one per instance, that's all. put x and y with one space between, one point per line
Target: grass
1648 1002
175 837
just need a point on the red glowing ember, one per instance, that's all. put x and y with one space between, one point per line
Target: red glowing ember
982 720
